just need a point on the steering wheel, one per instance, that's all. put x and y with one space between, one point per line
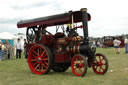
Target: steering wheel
31 33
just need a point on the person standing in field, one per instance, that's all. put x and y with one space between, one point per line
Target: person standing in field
25 54
117 45
18 49
1 51
8 48
126 45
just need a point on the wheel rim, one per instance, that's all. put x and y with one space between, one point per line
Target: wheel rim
38 59
100 64
79 66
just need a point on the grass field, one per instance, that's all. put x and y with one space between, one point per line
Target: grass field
17 72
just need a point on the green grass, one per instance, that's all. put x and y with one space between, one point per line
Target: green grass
17 72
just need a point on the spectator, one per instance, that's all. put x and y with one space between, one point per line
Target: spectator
126 45
8 48
94 42
25 54
98 44
18 49
1 51
117 45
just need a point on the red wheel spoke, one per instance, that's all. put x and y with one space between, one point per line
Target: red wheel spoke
80 61
104 64
100 69
45 59
76 59
36 67
96 60
34 56
44 65
38 50
79 58
33 60
43 53
99 58
96 68
35 64
102 59
35 53
39 67
80 70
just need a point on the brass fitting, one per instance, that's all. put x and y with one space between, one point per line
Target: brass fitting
83 9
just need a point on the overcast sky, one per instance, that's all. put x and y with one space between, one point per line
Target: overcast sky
109 17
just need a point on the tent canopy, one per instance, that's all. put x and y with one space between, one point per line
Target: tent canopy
6 35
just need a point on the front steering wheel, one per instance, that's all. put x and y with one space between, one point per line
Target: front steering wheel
31 34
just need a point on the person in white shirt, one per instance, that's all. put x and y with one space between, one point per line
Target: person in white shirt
126 45
18 49
117 43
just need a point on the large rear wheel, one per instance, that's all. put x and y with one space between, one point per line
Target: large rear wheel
100 64
79 65
40 59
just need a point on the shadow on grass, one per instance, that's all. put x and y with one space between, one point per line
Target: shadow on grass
68 73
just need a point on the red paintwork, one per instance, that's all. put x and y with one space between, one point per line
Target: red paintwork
62 57
81 26
47 40
28 46
76 49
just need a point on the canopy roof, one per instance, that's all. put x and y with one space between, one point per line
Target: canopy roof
59 19
7 35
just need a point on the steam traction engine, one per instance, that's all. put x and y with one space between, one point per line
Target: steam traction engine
58 52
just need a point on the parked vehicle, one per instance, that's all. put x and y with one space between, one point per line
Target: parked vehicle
63 49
